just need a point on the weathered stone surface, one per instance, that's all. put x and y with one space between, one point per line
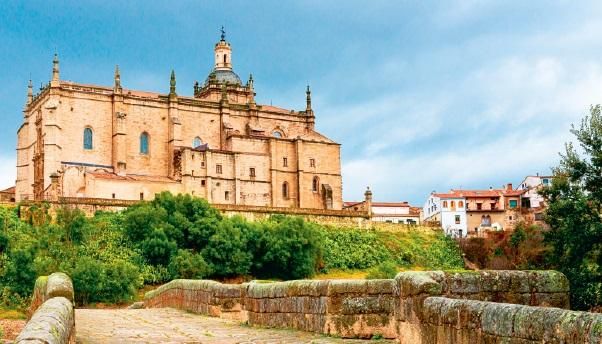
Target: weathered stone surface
52 323
59 284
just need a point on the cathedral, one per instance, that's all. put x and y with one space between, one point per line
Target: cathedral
88 141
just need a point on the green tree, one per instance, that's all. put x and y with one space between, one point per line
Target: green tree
186 264
574 213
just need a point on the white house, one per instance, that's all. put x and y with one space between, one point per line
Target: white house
449 210
392 212
532 200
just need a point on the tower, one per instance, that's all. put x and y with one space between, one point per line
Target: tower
223 53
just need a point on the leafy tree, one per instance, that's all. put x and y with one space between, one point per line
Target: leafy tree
574 213
157 248
226 251
186 264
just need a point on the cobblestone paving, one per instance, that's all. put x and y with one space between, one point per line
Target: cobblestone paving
166 325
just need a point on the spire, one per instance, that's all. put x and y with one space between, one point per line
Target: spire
250 82
55 68
117 87
308 97
172 84
223 34
29 92
223 53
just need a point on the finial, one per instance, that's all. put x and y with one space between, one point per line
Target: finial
196 87
308 94
117 87
29 91
250 82
55 67
223 33
172 83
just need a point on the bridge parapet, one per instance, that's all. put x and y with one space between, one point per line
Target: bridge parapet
52 317
404 308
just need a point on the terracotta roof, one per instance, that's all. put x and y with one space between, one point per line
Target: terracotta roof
275 109
9 190
131 177
487 193
390 204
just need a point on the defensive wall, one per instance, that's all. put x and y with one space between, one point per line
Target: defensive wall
415 307
341 218
51 313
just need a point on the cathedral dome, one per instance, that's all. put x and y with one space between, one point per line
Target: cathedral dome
222 76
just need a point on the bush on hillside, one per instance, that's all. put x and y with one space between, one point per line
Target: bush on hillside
384 270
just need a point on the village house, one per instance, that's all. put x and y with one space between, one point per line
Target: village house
533 203
391 212
472 212
89 141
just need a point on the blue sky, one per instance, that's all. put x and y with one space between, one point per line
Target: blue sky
423 95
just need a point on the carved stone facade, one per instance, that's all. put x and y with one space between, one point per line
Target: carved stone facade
111 142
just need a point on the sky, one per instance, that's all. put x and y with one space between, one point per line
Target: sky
423 95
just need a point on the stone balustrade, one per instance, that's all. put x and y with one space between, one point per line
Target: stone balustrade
415 307
52 317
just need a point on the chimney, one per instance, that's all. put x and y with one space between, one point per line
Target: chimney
509 187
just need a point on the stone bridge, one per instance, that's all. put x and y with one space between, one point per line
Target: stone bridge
416 307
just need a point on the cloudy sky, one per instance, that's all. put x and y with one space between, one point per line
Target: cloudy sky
423 95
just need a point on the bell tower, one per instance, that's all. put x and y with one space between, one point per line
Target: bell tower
223 53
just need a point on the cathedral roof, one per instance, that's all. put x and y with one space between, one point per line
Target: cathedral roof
222 76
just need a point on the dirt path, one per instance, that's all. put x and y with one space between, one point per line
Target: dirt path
165 325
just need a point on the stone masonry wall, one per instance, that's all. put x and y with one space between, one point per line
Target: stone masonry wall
415 307
52 317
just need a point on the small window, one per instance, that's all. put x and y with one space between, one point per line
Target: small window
218 169
144 143
227 195
225 57
113 196
284 162
460 204
452 204
513 203
457 219
203 182
196 142
142 196
88 139
479 206
252 171
315 184
277 134
444 204
546 181
312 163
285 190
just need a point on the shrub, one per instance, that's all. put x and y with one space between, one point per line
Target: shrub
226 252
88 276
186 264
384 270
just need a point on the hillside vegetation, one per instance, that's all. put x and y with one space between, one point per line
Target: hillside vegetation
112 255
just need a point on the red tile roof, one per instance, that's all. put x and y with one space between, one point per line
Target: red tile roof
487 193
9 190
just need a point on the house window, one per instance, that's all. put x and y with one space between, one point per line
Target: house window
312 162
284 162
315 184
479 206
142 196
113 196
546 181
444 204
512 203
227 195
218 169
285 190
144 143
457 219
203 182
87 138
252 171
485 221
460 204
452 204
196 142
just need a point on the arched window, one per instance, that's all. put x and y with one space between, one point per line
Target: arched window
460 204
444 204
452 204
144 143
196 142
225 56
277 134
285 190
88 138
315 184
